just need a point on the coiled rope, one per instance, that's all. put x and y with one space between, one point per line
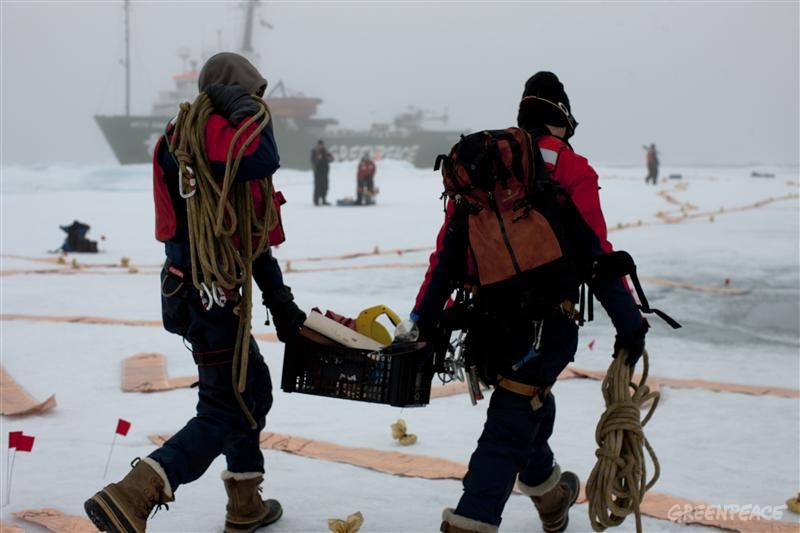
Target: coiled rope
618 482
225 232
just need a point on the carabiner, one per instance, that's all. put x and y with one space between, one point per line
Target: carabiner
206 298
192 182
219 294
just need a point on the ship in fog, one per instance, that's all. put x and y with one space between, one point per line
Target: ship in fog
297 127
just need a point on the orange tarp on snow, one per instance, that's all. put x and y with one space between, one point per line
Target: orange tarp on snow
55 520
395 463
10 528
15 401
83 320
147 372
654 382
655 504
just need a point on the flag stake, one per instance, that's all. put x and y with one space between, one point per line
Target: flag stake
108 461
10 475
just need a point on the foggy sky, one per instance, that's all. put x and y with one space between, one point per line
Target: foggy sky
709 83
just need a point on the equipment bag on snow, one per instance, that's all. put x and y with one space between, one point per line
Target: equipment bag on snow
499 178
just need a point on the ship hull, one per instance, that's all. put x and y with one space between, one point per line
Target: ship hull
133 139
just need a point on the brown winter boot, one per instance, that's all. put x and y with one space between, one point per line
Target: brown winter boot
553 498
246 511
124 507
453 523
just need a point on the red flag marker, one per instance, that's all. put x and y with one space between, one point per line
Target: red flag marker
25 443
591 345
21 443
123 426
13 438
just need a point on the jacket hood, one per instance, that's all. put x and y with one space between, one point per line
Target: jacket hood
227 68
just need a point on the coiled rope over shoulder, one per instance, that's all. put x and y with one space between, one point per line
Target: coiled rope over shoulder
618 482
225 232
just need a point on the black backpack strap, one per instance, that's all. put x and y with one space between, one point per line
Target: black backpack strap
541 175
644 306
618 264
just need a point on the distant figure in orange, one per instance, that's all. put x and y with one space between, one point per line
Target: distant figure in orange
652 164
365 181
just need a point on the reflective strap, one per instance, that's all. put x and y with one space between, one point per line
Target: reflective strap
550 156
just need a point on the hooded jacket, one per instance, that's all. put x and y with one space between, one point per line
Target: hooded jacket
259 160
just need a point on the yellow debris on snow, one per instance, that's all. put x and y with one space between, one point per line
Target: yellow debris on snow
400 433
351 525
794 504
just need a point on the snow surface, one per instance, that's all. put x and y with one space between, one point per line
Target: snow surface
720 448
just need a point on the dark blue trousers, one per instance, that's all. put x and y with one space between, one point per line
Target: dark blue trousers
220 426
514 442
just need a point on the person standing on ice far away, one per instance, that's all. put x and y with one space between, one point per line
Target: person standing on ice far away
320 162
222 424
505 329
651 159
365 181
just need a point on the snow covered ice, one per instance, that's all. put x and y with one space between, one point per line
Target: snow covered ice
715 447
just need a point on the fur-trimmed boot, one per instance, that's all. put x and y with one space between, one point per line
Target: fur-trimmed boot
453 523
553 498
125 506
246 511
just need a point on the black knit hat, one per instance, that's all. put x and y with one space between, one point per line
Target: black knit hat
544 101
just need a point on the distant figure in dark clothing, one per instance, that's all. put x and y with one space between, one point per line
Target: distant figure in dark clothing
365 181
76 240
652 164
320 162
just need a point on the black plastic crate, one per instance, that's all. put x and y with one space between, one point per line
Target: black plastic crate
398 375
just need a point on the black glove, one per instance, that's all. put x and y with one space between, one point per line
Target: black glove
285 314
633 344
232 102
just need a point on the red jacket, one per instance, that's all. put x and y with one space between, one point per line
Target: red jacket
259 160
366 169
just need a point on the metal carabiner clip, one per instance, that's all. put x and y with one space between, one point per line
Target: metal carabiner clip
192 182
206 298
219 294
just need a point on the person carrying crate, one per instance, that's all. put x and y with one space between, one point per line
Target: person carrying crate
523 225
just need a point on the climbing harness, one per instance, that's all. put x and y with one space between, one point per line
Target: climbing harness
618 482
225 232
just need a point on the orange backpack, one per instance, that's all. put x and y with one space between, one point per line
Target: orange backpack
499 178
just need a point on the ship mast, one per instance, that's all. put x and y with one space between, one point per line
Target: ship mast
247 34
127 60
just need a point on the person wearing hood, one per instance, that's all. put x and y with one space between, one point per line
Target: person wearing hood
514 445
221 425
